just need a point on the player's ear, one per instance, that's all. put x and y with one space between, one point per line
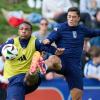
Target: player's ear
79 18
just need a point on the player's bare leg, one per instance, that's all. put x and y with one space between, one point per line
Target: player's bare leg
76 94
53 62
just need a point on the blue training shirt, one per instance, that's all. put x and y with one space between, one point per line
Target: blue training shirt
72 39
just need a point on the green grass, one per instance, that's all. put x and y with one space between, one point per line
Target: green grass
5 29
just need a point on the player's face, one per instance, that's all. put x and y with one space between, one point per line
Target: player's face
73 18
24 31
43 25
97 60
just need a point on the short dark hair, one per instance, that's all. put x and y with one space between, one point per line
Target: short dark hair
28 23
44 19
75 9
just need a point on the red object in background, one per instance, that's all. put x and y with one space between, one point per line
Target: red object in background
44 94
2 85
14 22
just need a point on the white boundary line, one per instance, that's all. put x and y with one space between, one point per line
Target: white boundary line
91 87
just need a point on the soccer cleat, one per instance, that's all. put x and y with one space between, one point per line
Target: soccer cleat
41 66
37 64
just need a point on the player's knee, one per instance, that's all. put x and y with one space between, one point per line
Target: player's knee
54 59
55 62
76 94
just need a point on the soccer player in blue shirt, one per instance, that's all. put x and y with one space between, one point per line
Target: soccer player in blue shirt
70 35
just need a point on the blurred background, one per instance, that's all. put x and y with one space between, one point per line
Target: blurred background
44 15
13 5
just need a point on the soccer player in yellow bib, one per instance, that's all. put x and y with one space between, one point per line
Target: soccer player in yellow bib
15 70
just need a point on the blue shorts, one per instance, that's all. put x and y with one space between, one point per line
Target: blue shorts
17 89
73 73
